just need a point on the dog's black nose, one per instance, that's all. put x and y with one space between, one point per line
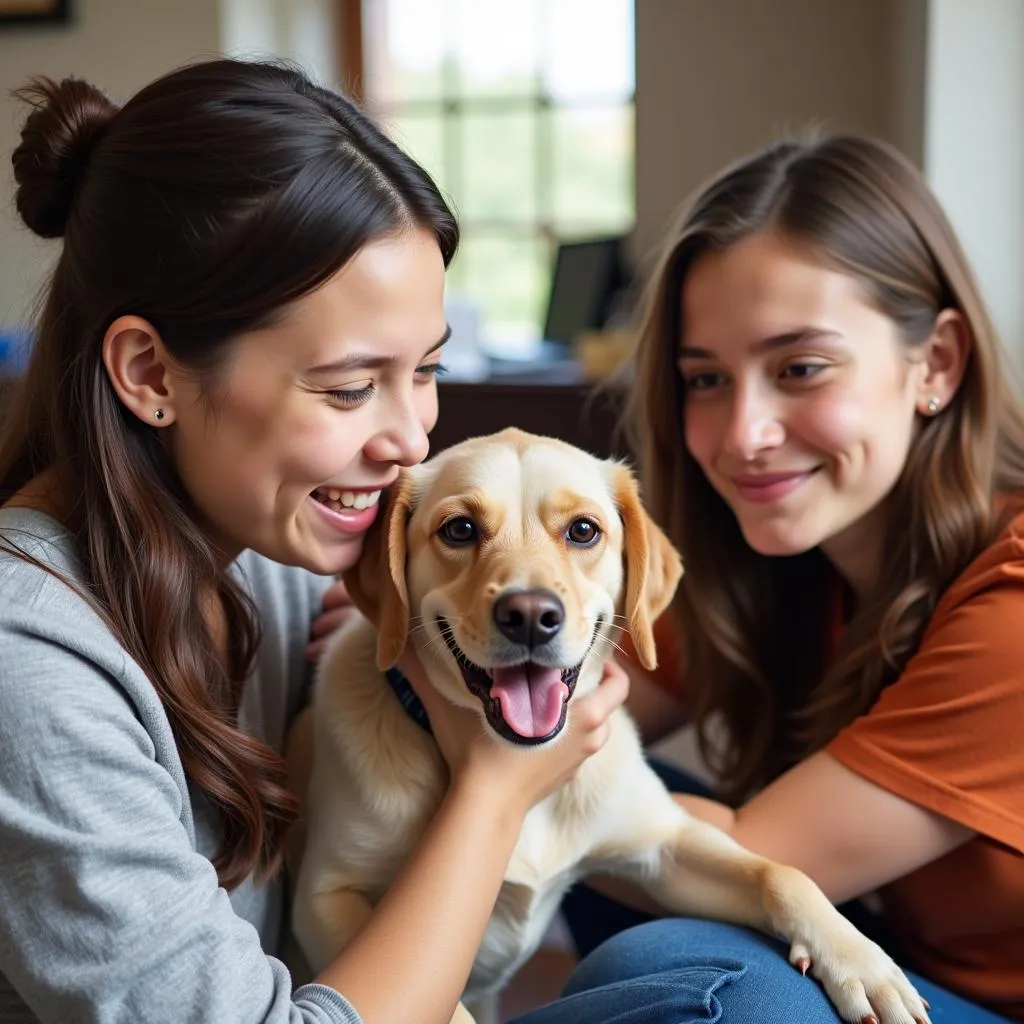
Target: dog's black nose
529 617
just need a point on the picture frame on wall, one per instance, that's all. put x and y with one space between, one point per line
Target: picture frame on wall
22 12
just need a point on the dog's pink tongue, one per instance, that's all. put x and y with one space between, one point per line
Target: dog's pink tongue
531 698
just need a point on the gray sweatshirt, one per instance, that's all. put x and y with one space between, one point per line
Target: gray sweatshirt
110 910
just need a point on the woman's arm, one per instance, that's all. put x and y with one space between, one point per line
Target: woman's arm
847 833
108 912
943 743
850 835
412 959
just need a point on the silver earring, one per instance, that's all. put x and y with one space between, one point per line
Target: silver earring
933 405
159 414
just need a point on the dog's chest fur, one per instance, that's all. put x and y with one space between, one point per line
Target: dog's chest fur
386 778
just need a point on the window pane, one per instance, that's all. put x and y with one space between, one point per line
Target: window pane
421 135
497 48
498 179
507 276
404 48
592 185
457 84
590 50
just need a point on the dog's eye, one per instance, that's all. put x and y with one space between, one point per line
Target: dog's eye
582 532
458 531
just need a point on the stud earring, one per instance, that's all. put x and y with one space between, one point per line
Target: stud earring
159 414
933 405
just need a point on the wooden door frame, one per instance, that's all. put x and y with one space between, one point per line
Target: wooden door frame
349 15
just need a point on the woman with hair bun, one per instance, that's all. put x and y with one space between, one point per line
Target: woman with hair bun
236 354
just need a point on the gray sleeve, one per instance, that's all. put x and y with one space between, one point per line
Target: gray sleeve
107 913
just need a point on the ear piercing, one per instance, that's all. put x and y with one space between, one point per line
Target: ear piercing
159 414
933 405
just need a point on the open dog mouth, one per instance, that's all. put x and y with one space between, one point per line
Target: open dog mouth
524 703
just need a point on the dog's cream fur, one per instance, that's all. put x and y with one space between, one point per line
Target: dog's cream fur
377 777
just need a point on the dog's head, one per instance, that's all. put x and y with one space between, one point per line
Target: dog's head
513 562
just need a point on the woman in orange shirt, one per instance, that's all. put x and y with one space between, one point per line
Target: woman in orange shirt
828 435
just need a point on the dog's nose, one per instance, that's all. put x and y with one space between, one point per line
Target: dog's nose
529 617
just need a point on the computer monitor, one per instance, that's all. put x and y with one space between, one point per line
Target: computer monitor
586 276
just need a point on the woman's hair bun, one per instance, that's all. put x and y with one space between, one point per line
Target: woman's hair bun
58 135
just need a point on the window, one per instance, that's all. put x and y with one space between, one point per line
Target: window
523 114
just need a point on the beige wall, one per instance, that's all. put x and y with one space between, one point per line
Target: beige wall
908 61
974 144
303 30
941 79
716 79
119 45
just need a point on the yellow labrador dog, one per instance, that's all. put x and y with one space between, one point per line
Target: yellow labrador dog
513 561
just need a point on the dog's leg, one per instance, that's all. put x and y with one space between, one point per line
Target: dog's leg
324 923
704 873
462 1016
692 868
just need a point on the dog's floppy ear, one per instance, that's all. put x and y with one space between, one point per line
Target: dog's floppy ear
653 567
376 583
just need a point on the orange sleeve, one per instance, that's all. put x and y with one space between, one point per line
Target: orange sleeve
666 642
949 733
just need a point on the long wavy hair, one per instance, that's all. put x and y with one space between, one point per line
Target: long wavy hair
756 632
216 196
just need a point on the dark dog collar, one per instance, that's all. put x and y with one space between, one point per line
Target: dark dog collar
407 698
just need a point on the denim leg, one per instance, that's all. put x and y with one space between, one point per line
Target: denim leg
683 971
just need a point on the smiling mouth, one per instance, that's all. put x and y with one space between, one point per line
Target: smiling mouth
524 703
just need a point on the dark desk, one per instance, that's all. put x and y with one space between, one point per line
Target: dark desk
572 411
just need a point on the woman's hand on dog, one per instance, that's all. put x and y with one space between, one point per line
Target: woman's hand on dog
473 752
337 607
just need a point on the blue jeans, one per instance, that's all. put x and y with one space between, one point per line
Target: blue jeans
679 971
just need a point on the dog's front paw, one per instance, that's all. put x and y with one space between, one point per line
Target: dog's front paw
861 979
462 1016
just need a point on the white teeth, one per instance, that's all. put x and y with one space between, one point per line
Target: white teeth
351 499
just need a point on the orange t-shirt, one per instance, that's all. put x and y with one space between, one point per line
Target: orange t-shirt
948 735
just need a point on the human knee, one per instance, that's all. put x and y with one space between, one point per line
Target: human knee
661 946
745 977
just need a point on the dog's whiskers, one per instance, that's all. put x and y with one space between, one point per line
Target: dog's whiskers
436 653
436 642
609 642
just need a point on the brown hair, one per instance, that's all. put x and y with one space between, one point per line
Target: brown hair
755 630
216 196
